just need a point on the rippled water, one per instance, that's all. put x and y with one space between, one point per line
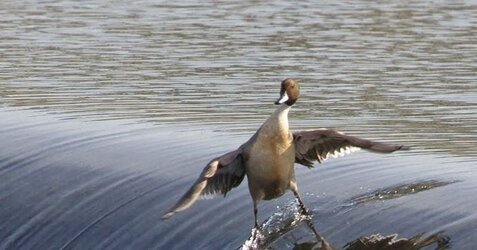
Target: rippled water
109 109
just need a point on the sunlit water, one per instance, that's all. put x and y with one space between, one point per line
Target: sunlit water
110 109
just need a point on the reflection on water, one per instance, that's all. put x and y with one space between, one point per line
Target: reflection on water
109 108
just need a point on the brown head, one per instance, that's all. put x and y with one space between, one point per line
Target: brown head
289 92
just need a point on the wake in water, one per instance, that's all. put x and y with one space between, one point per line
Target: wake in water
286 220
288 228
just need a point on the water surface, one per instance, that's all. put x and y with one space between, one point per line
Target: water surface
110 109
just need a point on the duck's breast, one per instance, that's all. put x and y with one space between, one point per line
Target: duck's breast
269 166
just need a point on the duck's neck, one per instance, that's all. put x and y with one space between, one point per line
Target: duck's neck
280 117
276 126
282 112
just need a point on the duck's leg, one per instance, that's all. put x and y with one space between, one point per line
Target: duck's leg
301 206
255 213
305 211
256 228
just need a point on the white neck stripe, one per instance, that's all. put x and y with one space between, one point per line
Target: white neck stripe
284 98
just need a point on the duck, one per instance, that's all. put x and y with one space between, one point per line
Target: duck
268 158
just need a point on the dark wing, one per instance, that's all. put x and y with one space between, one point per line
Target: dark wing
317 145
218 177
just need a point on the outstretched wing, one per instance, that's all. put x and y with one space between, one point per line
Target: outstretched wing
318 145
218 177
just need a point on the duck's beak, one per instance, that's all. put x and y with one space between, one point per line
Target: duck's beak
283 98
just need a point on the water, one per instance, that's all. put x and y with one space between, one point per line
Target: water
109 109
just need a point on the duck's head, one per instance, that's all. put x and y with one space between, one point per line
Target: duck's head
289 92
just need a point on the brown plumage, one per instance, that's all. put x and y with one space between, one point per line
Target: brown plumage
268 157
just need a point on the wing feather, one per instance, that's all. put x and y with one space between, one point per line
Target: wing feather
218 177
319 145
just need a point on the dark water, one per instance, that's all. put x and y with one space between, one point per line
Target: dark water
109 109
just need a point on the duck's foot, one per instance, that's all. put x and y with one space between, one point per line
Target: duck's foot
256 231
304 211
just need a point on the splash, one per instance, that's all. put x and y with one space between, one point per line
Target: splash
287 228
284 220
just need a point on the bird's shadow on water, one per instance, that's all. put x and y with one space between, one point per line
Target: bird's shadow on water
289 229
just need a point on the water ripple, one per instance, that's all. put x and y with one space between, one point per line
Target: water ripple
109 110
386 68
